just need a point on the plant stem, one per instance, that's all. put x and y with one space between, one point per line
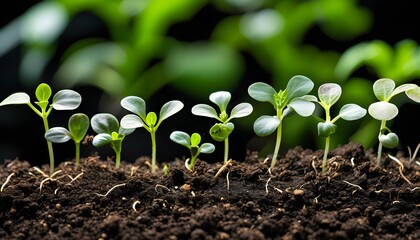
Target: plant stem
77 153
50 147
226 150
324 161
277 147
379 156
153 136
117 159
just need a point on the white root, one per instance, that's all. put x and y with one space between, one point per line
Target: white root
266 185
110 190
352 162
412 157
227 181
400 169
316 199
353 185
135 204
7 180
161 186
223 168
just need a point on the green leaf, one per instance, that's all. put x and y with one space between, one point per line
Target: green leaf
207 148
329 93
16 98
169 109
266 125
326 129
131 121
221 99
66 100
383 88
414 94
389 140
204 110
104 123
302 107
221 131
383 111
58 135
298 86
135 105
78 126
43 92
102 139
151 119
125 132
241 110
262 92
195 139
352 112
181 138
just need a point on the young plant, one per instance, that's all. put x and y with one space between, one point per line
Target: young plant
109 133
193 144
384 89
221 131
78 126
62 100
285 102
328 94
149 121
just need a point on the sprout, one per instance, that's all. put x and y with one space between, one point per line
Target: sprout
193 144
384 89
109 132
62 100
328 94
78 126
149 121
221 131
285 102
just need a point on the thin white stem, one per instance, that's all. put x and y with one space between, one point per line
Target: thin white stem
7 180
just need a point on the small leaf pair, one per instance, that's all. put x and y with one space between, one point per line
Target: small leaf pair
193 144
221 131
110 133
285 102
149 120
328 94
384 89
63 100
77 129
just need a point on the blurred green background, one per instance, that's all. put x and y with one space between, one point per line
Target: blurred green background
162 50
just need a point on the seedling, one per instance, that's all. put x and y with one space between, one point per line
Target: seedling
285 102
109 133
193 144
328 94
78 126
62 100
221 131
384 89
149 121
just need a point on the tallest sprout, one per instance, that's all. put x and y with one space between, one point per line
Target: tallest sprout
293 98
62 100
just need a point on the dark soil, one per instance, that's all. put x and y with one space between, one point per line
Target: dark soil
97 201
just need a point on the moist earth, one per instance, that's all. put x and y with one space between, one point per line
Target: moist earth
356 199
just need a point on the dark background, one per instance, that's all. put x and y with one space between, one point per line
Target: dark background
22 131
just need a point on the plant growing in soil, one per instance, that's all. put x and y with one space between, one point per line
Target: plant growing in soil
63 100
149 121
384 89
328 94
221 131
109 133
292 99
78 126
193 144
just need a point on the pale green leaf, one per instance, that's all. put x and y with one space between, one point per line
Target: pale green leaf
169 109
78 126
383 88
326 129
414 94
262 92
66 100
181 138
389 140
221 99
298 86
207 148
383 111
58 135
131 121
221 131
329 93
241 110
16 98
104 123
204 110
102 139
352 112
135 105
302 107
266 125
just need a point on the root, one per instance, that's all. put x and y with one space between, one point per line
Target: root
313 164
227 181
161 186
412 157
268 181
110 190
400 169
223 167
353 185
134 205
7 180
352 162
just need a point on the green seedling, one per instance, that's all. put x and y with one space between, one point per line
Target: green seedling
328 94
285 102
384 89
62 100
193 144
110 133
221 131
78 126
149 121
